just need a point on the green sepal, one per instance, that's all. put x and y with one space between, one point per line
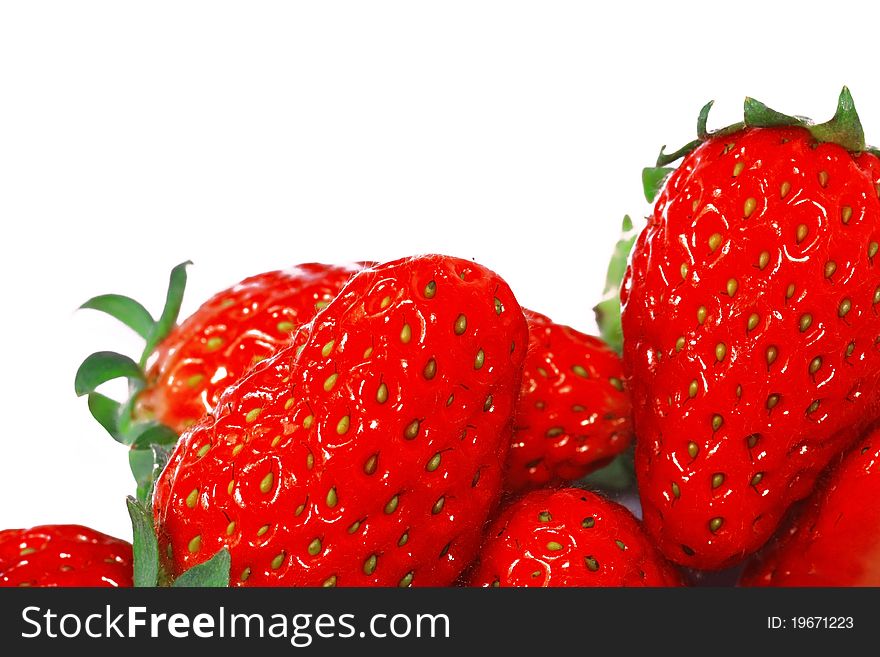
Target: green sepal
106 412
757 115
146 466
653 179
702 121
141 463
845 127
213 573
118 418
168 319
103 366
140 435
608 310
126 409
145 434
144 544
668 158
126 310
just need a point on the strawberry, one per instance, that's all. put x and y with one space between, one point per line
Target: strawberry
227 335
569 537
63 555
573 413
834 540
750 323
185 367
369 454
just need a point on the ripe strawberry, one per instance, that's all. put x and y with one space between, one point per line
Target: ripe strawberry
227 335
834 540
750 323
569 537
370 454
573 415
63 555
185 367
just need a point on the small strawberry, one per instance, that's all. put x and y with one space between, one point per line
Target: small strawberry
573 415
369 454
569 537
185 367
63 555
834 540
228 335
750 323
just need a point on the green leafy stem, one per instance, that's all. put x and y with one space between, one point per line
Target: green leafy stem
146 439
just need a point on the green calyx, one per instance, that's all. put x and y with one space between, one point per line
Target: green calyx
147 440
608 310
148 570
844 129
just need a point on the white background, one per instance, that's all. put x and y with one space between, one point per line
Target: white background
249 136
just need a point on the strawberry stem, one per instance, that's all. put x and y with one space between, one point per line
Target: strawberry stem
146 439
844 128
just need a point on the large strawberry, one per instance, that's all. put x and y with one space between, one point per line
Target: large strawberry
751 324
185 367
569 537
574 415
835 539
63 555
370 454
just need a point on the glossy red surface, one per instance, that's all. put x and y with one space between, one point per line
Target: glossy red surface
228 335
569 537
751 324
835 539
63 555
574 414
373 455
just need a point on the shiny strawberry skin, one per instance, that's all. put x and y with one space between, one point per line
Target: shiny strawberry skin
574 414
370 455
569 537
750 324
63 555
228 334
834 540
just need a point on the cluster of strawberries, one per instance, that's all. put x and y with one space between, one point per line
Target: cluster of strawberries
409 424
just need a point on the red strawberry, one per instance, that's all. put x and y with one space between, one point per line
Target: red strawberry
835 539
569 537
63 555
185 367
573 415
750 323
369 455
228 334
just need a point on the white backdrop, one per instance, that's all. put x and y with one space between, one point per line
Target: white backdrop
249 136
